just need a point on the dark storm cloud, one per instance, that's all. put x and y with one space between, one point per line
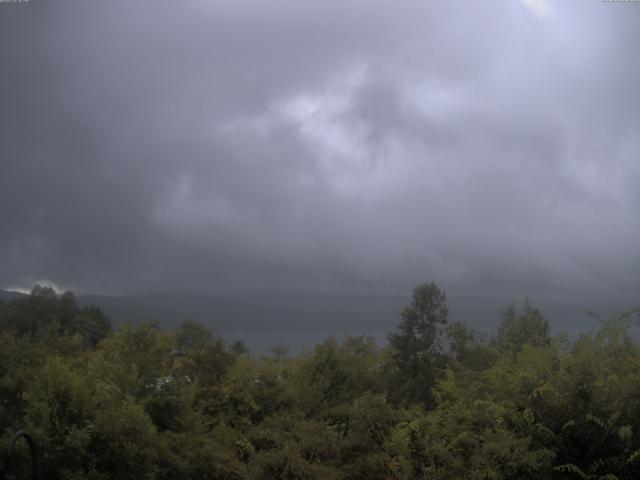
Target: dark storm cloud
491 146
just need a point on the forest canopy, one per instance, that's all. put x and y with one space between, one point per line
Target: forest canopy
439 401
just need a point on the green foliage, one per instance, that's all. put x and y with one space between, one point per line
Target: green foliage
519 329
417 345
143 403
204 356
45 316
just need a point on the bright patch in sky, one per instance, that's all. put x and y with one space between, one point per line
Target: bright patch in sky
27 289
539 7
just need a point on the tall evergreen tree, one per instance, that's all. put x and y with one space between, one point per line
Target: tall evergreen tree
417 346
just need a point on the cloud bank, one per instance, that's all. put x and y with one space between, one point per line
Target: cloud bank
343 145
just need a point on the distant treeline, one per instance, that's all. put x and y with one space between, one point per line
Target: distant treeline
440 401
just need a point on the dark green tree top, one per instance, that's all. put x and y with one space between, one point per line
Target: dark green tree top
417 342
518 329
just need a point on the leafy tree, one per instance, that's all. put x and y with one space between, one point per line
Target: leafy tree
468 349
46 316
143 403
203 358
239 348
192 336
518 329
58 414
460 337
417 345
339 372
91 324
290 447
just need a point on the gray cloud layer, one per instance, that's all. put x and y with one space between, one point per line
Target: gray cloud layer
347 145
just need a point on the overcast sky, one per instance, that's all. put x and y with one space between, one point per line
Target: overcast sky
335 145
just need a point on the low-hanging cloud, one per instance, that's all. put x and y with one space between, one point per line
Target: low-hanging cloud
491 146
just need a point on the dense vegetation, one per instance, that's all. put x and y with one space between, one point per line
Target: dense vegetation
439 402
